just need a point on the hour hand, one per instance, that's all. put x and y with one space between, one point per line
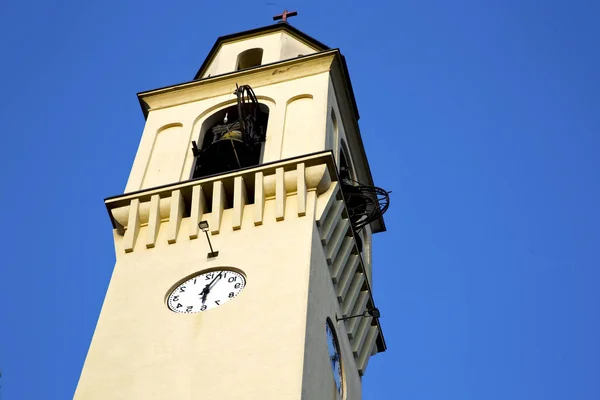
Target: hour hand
204 293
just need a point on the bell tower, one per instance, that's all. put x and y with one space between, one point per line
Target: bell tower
243 236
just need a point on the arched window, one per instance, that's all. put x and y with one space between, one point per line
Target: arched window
365 250
229 141
346 170
333 133
249 58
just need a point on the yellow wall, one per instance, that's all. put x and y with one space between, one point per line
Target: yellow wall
277 46
252 347
174 158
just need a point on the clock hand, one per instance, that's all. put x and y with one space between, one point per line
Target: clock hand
204 290
210 285
207 288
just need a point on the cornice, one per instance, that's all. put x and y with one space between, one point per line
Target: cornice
256 77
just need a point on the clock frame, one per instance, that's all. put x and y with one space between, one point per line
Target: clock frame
205 290
335 357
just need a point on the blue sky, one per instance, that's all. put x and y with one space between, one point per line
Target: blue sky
482 117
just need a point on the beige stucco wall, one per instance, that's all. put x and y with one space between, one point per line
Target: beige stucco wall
274 331
322 304
249 348
168 141
305 135
276 46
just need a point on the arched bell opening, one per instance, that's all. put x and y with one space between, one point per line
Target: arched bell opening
346 171
249 58
232 138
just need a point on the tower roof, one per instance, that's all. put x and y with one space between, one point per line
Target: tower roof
282 26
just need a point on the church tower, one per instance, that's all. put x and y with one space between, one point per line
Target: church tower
243 237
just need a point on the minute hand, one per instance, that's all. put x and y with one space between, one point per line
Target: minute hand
210 285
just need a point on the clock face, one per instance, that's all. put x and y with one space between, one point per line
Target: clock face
335 359
205 291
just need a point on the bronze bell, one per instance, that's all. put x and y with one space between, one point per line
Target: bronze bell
227 152
232 135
